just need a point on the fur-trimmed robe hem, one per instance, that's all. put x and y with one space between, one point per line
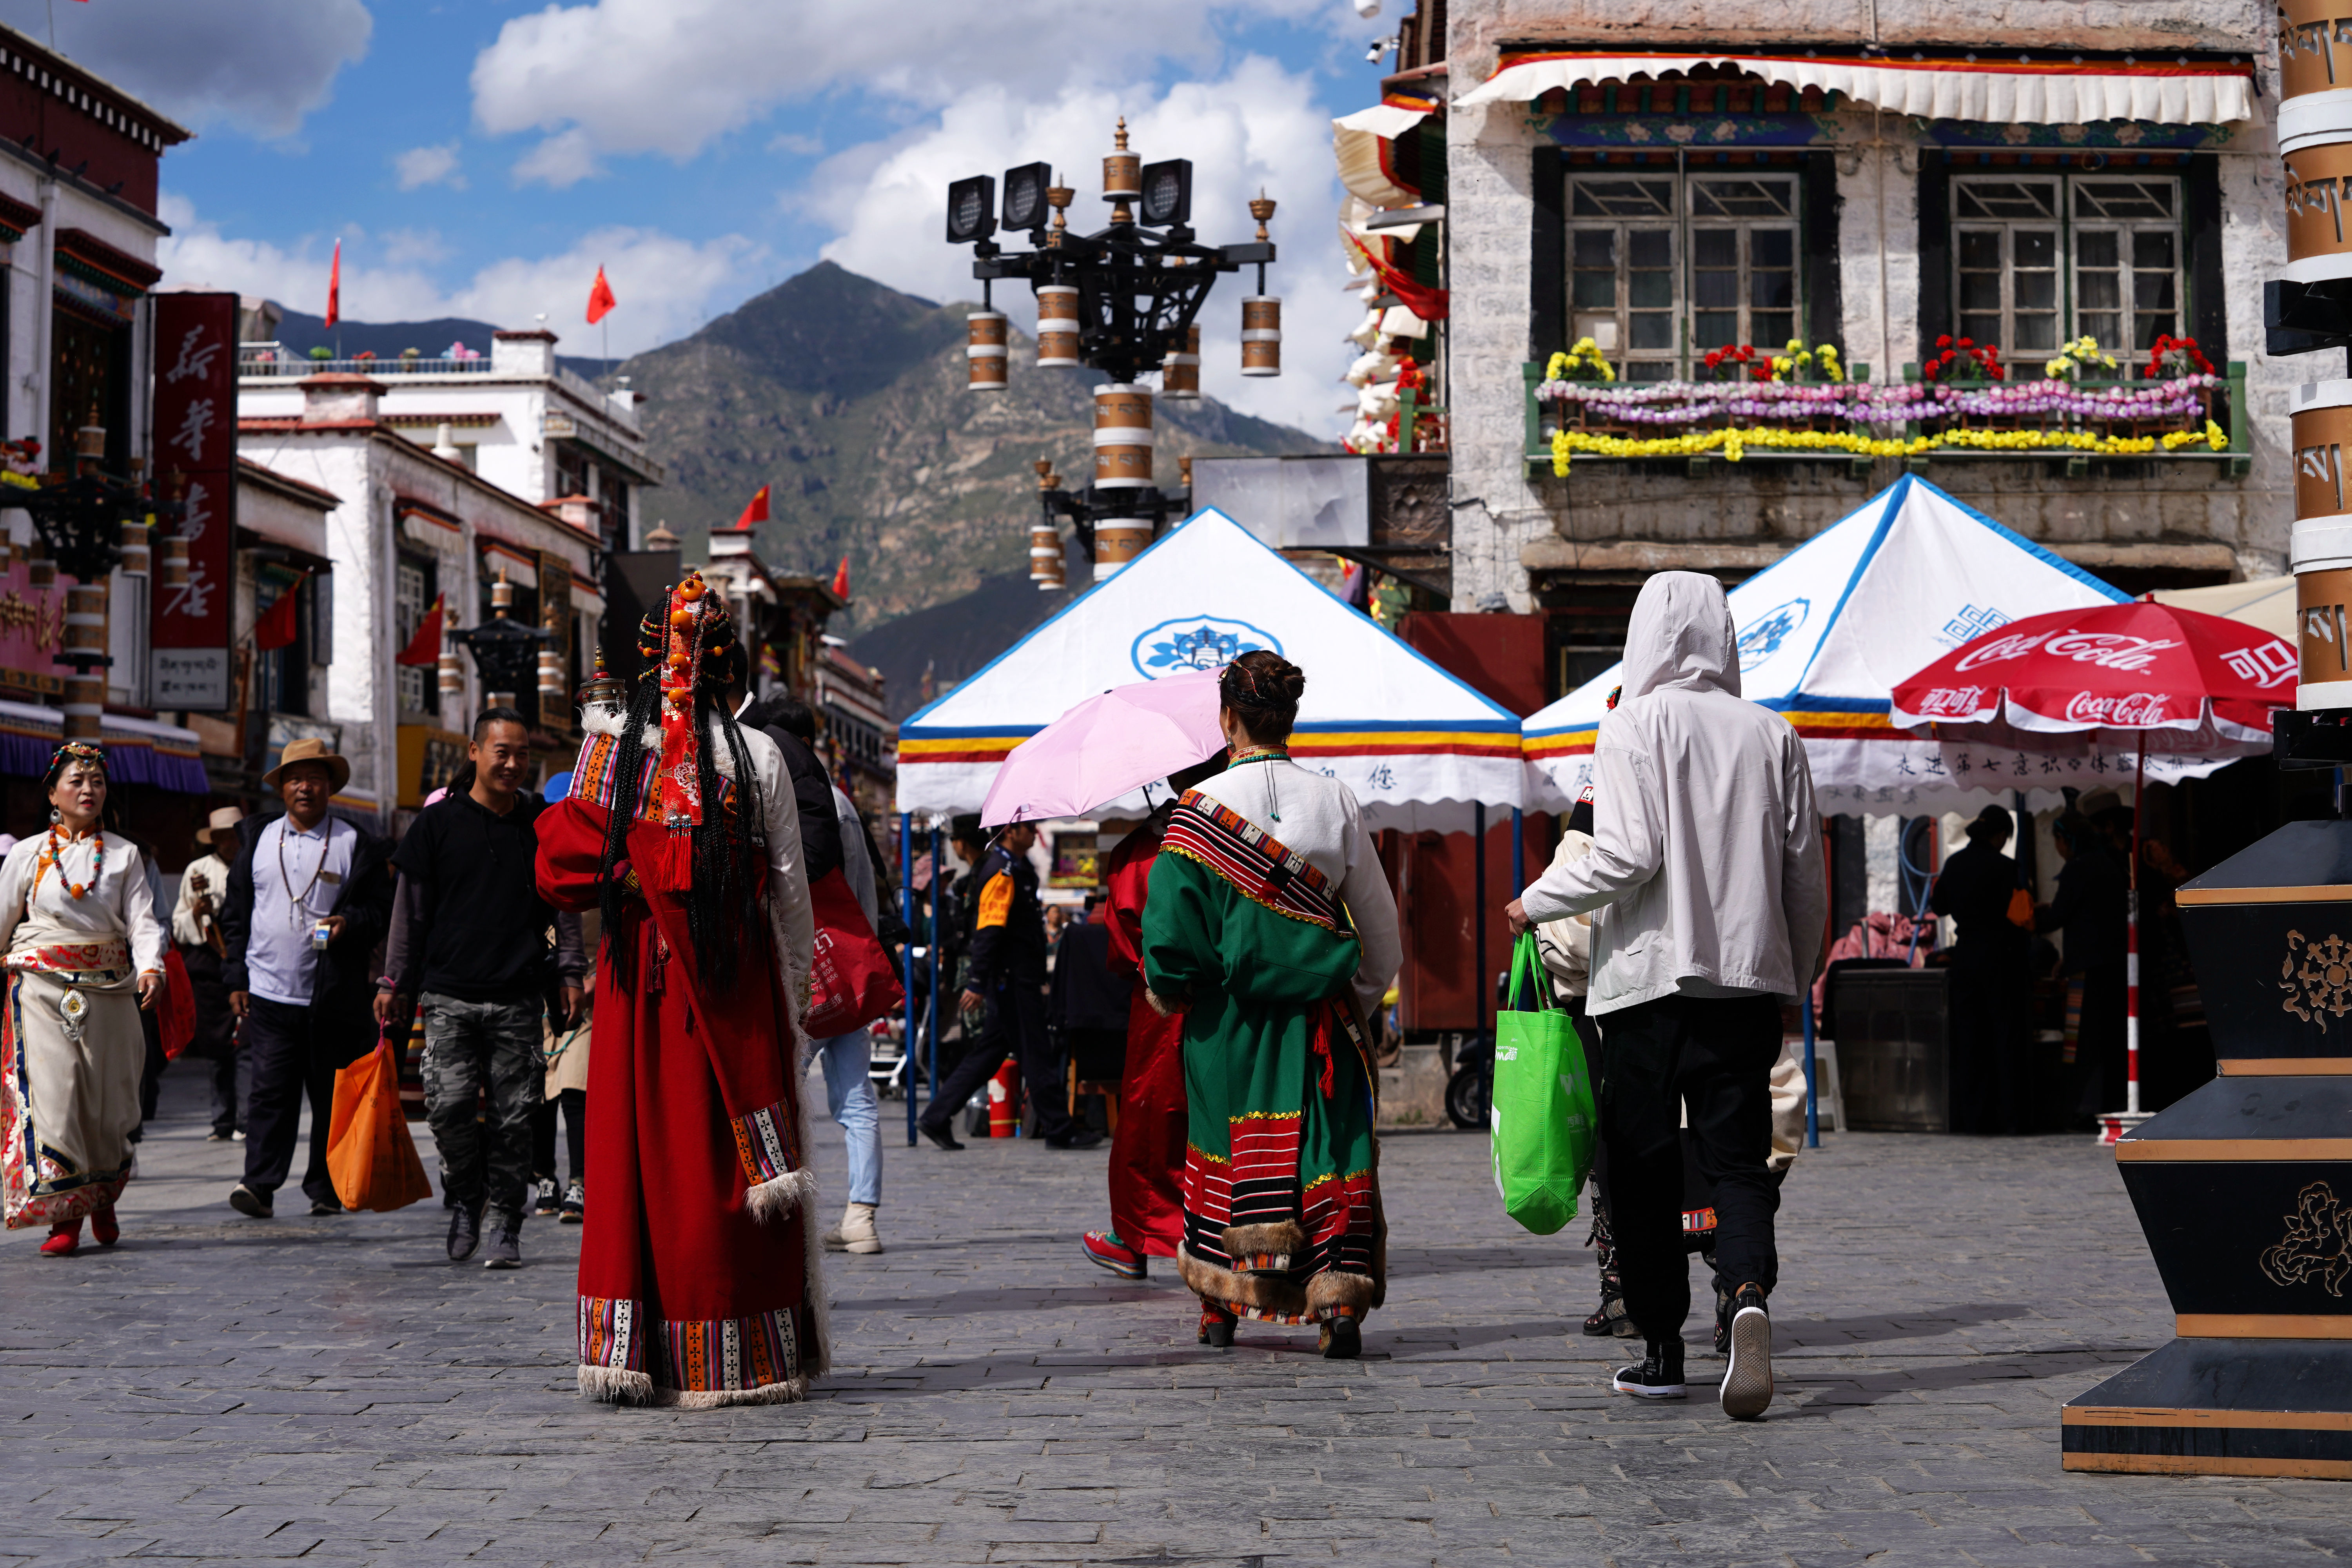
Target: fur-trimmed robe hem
771 1201
1273 1295
617 1386
1284 1238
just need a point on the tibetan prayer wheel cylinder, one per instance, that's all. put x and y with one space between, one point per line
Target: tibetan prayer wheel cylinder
1044 551
1057 326
985 352
2320 545
2315 61
138 558
1181 377
85 636
1261 334
1122 438
175 572
1117 541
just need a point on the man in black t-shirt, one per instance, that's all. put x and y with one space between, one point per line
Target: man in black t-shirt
475 956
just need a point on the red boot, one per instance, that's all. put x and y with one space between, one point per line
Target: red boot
105 1227
1216 1327
65 1239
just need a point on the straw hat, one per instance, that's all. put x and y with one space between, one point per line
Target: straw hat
227 817
311 749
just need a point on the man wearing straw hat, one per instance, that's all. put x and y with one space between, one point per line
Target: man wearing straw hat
308 899
196 925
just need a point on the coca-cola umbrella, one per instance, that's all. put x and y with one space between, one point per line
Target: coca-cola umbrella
2136 678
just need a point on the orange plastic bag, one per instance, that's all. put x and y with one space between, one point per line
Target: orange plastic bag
370 1158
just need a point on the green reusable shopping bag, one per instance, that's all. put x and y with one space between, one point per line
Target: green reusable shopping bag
1544 1122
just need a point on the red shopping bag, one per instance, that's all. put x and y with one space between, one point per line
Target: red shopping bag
851 981
175 1008
370 1158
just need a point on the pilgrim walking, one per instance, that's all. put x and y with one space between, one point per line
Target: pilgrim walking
85 954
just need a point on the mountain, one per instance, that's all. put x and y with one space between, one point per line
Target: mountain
848 399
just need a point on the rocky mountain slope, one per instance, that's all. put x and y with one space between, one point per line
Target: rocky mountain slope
848 398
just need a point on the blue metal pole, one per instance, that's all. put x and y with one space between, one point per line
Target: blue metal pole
932 1020
1812 1097
1518 851
1478 900
907 914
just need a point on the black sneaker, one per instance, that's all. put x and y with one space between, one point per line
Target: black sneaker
505 1250
1080 1138
1659 1376
1722 1321
251 1204
575 1205
546 1200
944 1135
1747 1382
320 1207
464 1232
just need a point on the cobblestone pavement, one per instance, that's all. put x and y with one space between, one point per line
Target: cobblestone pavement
331 1390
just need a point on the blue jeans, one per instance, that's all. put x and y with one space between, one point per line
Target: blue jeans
849 1096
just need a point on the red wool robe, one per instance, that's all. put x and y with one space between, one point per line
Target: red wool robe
1147 1153
697 1268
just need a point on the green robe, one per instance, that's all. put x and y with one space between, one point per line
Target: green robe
1280 1190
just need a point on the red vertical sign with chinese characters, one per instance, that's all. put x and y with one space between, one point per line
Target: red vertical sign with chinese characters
194 453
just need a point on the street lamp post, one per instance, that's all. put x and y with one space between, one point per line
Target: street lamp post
92 521
507 653
1123 301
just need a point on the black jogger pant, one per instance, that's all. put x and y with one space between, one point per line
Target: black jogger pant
1715 1056
1016 1027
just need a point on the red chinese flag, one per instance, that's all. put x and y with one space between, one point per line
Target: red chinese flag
276 628
335 287
755 510
600 299
841 580
424 647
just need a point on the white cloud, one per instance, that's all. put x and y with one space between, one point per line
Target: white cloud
1256 126
256 65
428 166
559 162
669 75
667 285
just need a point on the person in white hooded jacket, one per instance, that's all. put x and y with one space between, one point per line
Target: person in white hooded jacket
1707 852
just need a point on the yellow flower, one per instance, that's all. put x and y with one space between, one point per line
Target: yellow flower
1560 451
2215 437
22 481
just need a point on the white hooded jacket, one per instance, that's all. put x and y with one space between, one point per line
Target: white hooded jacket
1706 843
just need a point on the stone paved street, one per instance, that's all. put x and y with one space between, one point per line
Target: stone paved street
330 1390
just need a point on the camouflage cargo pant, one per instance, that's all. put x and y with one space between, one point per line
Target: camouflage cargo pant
470 1047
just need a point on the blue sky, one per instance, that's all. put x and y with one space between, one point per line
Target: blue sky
483 158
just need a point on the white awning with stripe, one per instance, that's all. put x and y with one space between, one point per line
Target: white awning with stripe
2018 92
1357 141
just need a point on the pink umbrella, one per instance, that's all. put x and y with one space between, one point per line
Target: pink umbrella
2134 675
1107 746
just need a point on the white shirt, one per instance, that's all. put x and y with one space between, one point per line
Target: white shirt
208 877
1318 818
122 903
297 877
1705 847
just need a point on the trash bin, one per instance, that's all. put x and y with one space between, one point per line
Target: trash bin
1894 1048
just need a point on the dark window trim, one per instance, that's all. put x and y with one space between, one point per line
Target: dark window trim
1824 301
1548 257
1935 316
2207 317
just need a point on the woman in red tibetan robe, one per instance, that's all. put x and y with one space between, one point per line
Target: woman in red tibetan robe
699 1281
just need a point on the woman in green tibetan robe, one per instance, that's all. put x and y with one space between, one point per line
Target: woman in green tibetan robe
1270 925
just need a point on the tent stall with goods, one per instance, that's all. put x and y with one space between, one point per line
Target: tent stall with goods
1824 633
1421 750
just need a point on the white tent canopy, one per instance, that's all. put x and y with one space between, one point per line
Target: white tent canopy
1416 744
1825 633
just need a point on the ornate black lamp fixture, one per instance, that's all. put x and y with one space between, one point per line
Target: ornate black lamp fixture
506 652
91 522
1123 301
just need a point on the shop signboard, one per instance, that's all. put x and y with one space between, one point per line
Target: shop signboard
32 624
195 450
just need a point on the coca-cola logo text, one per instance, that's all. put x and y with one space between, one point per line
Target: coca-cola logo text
2016 645
1951 701
2133 710
2108 650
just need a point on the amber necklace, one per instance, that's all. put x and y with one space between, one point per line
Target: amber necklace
52 853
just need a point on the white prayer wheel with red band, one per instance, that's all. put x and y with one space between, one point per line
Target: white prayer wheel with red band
1117 541
1181 377
2320 545
175 572
1261 334
985 351
85 633
1122 438
1057 326
138 558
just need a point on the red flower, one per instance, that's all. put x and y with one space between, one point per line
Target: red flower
1759 373
1967 342
1944 342
1713 358
1746 353
1928 371
1997 373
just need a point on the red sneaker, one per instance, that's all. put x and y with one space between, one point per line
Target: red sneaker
105 1227
1108 1251
65 1239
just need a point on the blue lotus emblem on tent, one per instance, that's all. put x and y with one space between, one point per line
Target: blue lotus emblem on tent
1197 642
1760 638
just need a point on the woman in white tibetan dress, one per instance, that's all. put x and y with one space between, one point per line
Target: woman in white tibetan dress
85 953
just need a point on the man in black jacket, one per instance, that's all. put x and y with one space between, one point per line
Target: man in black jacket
308 899
1005 974
783 719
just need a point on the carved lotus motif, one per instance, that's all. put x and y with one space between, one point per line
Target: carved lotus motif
2316 977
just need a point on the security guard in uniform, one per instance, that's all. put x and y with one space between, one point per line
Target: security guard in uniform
1005 976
